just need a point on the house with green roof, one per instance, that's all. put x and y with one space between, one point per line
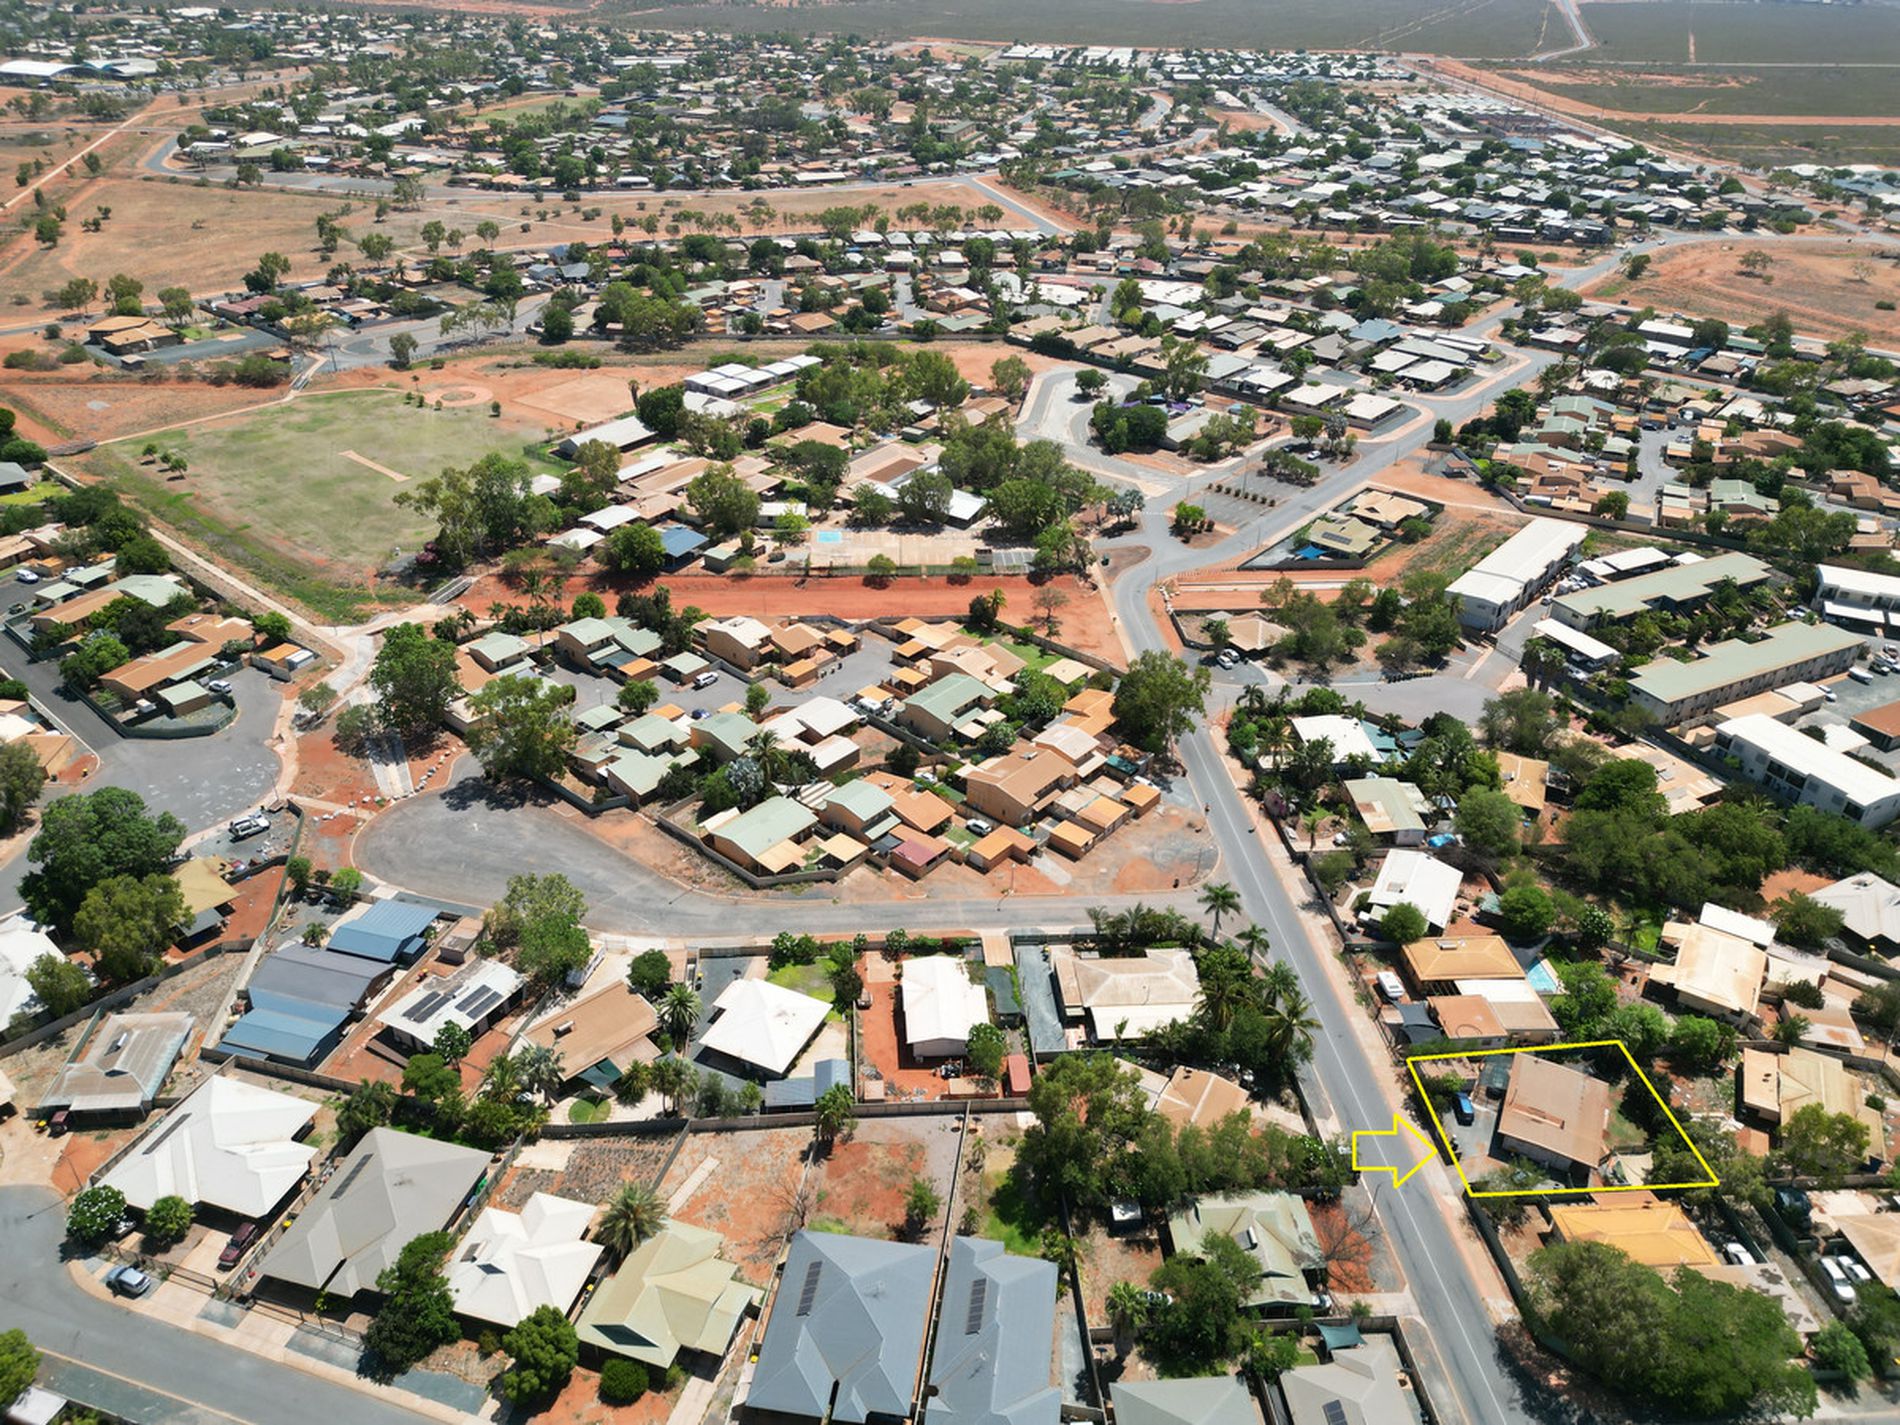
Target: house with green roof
723 735
1676 692
766 840
674 1293
862 808
939 710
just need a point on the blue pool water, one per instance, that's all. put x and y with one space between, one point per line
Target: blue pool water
1543 979
831 536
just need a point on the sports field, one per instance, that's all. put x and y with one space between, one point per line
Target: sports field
304 495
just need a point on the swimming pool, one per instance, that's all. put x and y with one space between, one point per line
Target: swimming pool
831 536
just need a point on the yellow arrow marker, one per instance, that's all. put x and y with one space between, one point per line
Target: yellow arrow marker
1399 1121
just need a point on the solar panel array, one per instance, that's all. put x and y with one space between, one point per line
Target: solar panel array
426 1006
979 1298
809 1292
158 1138
1335 1413
477 1002
349 1178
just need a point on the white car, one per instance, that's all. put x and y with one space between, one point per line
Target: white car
27 576
1837 1279
977 826
218 685
706 679
1738 1254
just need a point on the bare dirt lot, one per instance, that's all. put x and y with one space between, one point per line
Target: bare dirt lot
745 1186
1829 289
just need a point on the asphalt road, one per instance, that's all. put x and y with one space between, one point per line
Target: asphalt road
141 1368
200 780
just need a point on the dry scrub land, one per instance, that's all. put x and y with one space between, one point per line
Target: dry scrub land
1818 285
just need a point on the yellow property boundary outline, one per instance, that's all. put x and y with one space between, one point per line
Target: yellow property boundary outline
1413 1061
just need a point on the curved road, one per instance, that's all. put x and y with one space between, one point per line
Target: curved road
144 1369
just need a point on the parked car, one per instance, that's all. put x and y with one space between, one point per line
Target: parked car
1391 987
128 1281
27 576
1462 1110
1227 658
219 686
977 826
706 679
1860 675
245 826
1837 1279
234 1248
1738 1254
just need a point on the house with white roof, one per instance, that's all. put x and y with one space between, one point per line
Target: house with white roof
231 1144
941 1006
1419 880
512 1263
762 1025
21 943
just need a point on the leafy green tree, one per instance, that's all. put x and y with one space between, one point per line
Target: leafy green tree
60 985
418 1310
95 1215
724 502
1199 1327
1403 923
1488 822
520 727
1823 1146
921 1202
19 1364
1695 1346
1837 1348
415 680
128 921
167 1220
545 1349
1158 699
22 778
1525 912
1697 1042
1090 1114
637 696
987 1049
622 1382
1587 999
452 1043
529 898
371 1104
1805 922
429 1078
1524 721
88 838
649 974
634 550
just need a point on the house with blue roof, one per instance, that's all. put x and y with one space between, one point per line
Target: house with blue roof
680 543
389 931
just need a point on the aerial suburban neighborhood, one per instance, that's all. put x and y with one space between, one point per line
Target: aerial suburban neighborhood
720 713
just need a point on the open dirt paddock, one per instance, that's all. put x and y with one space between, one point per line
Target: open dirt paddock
1702 96
1817 284
105 407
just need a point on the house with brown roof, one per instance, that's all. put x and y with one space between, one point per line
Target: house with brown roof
1194 1096
1017 787
1435 967
1649 1231
1554 1115
1469 1019
1005 843
600 1034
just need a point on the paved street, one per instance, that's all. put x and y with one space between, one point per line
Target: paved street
149 1372
200 780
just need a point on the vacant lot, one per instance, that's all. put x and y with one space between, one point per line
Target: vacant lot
1710 92
1476 27
1828 289
1720 33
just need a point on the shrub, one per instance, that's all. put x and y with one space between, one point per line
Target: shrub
622 1381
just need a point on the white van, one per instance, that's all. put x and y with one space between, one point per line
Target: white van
1860 675
1843 1289
1390 986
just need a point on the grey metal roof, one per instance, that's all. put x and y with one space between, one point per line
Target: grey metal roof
849 1314
392 1188
994 1329
1211 1400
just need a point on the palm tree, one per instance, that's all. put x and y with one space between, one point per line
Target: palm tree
1290 1028
633 1214
1225 989
836 1110
673 1079
502 1078
634 1083
1280 980
541 1070
1254 941
1217 900
679 1012
1127 1313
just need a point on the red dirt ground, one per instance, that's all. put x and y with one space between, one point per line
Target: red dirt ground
862 1182
1084 622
